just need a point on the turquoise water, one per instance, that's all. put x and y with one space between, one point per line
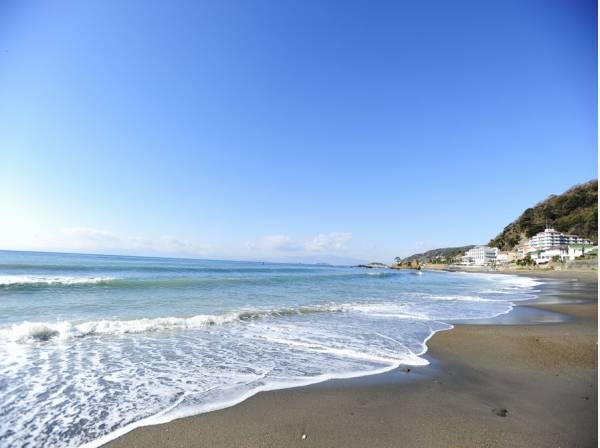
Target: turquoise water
92 346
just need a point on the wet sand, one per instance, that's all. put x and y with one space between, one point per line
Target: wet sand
526 382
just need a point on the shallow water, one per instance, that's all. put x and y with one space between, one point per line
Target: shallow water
91 346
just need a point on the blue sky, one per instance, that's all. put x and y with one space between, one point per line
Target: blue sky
288 129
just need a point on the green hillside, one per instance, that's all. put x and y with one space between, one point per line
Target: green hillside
445 253
574 212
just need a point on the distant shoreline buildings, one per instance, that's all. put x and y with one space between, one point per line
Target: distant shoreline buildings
543 247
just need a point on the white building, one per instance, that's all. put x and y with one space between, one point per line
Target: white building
522 251
480 256
563 253
550 238
546 256
577 250
505 257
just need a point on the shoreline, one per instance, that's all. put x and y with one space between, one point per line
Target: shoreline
461 361
582 274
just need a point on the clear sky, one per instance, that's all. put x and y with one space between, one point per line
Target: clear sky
288 129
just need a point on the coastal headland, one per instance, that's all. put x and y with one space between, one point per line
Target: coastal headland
526 381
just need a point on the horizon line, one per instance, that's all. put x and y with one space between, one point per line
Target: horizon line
168 258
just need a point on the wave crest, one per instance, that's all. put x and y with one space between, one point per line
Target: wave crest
44 331
26 280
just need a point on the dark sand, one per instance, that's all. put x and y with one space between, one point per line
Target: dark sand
543 373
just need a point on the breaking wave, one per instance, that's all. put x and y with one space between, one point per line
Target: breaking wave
44 331
45 280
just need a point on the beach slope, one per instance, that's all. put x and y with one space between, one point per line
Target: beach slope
531 385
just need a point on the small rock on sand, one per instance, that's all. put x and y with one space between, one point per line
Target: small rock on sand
500 412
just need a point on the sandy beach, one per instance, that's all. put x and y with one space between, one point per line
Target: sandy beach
528 380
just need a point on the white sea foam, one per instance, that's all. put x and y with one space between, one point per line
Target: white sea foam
506 279
24 280
60 331
458 298
44 331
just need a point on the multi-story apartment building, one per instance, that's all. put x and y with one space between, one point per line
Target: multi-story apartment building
550 238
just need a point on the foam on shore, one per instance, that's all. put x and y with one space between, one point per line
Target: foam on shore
119 349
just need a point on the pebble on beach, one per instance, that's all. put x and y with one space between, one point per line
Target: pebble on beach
500 412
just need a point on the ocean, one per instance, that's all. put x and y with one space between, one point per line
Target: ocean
92 346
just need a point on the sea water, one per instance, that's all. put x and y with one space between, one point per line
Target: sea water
92 346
